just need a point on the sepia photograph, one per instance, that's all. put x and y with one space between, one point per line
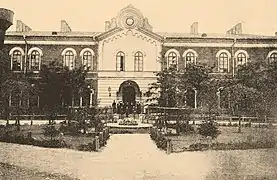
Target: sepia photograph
138 90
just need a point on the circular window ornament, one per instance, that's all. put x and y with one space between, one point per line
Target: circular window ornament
130 21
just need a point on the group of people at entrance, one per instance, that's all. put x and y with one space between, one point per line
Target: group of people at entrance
126 108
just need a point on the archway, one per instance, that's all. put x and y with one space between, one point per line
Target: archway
129 84
129 95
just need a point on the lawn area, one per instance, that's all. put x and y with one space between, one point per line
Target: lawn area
228 135
72 142
11 172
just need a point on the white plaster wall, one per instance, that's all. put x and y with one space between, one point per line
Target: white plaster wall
129 42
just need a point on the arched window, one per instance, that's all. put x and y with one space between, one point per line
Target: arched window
138 61
87 60
16 61
87 55
34 61
241 59
69 59
190 58
273 57
172 59
223 62
120 61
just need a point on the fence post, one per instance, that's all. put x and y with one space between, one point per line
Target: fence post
29 136
168 146
97 147
101 138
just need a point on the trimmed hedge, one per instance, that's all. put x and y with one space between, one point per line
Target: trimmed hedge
159 139
87 147
20 139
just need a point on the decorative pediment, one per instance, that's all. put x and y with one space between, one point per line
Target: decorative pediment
119 32
128 18
149 37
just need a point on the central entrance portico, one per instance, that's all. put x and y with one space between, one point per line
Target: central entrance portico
129 96
129 53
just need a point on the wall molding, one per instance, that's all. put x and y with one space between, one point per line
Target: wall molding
51 42
218 45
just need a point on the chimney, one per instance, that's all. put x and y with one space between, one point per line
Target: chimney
21 27
65 27
113 23
237 29
107 25
194 28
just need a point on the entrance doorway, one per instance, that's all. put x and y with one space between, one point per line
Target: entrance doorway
129 95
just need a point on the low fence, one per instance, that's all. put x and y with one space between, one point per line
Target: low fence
99 141
221 120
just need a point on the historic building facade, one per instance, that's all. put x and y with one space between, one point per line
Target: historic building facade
123 59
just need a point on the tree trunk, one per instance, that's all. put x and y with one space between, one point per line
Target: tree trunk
239 129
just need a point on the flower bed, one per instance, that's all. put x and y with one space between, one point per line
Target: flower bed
128 123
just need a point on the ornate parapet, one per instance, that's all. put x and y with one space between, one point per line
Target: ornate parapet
6 20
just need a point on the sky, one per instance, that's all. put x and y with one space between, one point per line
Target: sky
213 16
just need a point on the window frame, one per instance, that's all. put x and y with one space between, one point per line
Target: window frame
222 66
138 61
87 60
20 55
272 57
37 58
69 59
120 61
170 59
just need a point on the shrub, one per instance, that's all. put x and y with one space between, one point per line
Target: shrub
50 143
87 147
50 131
198 147
186 128
208 129
160 140
70 129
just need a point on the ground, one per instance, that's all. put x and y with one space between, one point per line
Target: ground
228 134
11 172
37 133
136 157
